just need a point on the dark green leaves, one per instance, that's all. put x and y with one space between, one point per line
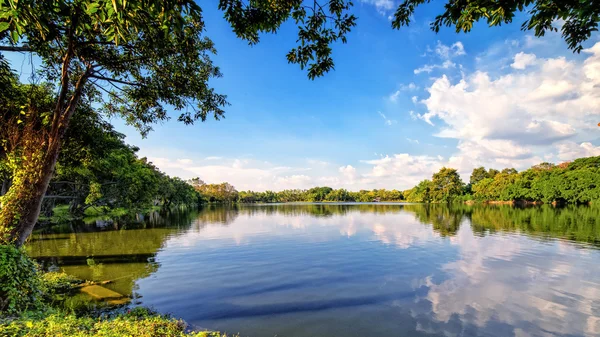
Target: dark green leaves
579 18
319 25
141 58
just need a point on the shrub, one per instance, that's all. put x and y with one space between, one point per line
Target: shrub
137 323
54 283
20 286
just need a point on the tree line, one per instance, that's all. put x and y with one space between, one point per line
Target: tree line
576 182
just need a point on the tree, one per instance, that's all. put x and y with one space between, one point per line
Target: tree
136 64
318 194
492 173
196 183
580 17
509 171
446 185
478 175
420 193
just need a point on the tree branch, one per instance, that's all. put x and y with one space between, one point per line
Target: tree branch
16 48
108 79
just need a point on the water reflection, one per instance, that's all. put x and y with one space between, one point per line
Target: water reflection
364 269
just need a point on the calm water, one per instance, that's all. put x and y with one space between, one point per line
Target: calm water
351 270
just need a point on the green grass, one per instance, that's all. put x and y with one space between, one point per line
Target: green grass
139 322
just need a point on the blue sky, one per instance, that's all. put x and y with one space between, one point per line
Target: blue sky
399 105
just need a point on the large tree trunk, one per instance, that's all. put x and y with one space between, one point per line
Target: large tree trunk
38 155
23 202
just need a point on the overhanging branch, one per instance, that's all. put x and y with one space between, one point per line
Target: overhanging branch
108 79
16 48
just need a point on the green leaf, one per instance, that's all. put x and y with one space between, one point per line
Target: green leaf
14 35
4 26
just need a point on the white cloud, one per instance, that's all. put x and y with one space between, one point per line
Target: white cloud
403 170
318 162
540 109
428 68
387 120
517 118
382 6
394 96
185 161
444 54
571 150
413 115
447 52
522 60
349 173
404 87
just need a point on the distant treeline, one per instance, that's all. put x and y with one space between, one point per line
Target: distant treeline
226 193
576 182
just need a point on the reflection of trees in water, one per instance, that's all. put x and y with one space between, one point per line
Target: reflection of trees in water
123 248
445 220
126 248
320 210
578 223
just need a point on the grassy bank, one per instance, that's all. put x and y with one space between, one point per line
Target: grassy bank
32 304
138 322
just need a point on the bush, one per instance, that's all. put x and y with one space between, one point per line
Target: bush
136 323
20 285
54 283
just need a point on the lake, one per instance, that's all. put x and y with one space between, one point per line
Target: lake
350 269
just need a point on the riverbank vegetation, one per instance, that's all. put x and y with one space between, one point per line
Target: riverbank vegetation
32 304
576 182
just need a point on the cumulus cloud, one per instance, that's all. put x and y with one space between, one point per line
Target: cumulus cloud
537 109
403 170
522 60
570 150
244 174
349 173
516 117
